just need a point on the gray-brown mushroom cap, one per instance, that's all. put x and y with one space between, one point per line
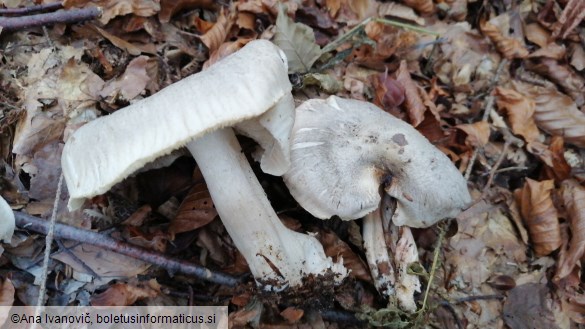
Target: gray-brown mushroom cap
343 150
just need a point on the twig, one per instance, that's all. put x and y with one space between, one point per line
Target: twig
62 16
81 263
488 109
62 231
31 9
49 244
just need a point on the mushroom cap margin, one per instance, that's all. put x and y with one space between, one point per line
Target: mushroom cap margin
342 150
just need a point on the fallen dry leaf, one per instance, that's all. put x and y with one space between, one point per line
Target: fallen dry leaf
555 113
335 248
497 31
413 102
6 294
168 8
478 133
573 195
540 215
125 294
560 168
529 306
573 14
520 111
292 314
224 50
218 33
195 211
297 41
389 93
568 80
130 84
425 7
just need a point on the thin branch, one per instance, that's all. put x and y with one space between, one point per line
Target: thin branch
62 16
486 114
31 9
62 231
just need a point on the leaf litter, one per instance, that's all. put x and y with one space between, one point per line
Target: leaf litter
525 153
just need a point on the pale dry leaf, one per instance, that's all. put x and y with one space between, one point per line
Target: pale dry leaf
520 111
78 87
509 47
568 80
107 264
333 6
556 113
540 215
392 9
529 306
47 162
478 133
195 211
578 57
297 40
573 195
413 102
537 34
425 7
217 34
131 48
125 294
7 222
130 84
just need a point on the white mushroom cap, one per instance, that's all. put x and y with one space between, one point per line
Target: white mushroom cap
242 86
343 150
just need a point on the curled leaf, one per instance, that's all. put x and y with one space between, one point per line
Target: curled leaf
540 215
574 198
478 133
413 101
195 211
217 34
124 294
509 47
335 248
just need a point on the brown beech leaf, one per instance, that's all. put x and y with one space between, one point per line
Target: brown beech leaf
389 93
478 133
130 84
556 113
413 102
568 80
335 248
574 198
155 241
195 211
217 34
520 111
292 314
540 215
573 14
509 47
224 50
425 7
6 294
125 294
560 169
171 7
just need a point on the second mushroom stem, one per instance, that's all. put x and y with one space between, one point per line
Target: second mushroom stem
273 252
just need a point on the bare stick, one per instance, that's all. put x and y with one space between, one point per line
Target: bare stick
488 108
62 16
31 9
62 231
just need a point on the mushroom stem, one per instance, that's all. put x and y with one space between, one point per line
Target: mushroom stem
273 252
377 253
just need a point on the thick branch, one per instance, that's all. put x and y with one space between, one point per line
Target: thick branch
62 231
62 16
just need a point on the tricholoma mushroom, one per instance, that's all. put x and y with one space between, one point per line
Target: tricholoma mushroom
248 90
345 152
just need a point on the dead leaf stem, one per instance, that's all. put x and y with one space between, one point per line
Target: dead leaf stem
486 114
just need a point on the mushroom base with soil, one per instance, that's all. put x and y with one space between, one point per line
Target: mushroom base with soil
275 253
